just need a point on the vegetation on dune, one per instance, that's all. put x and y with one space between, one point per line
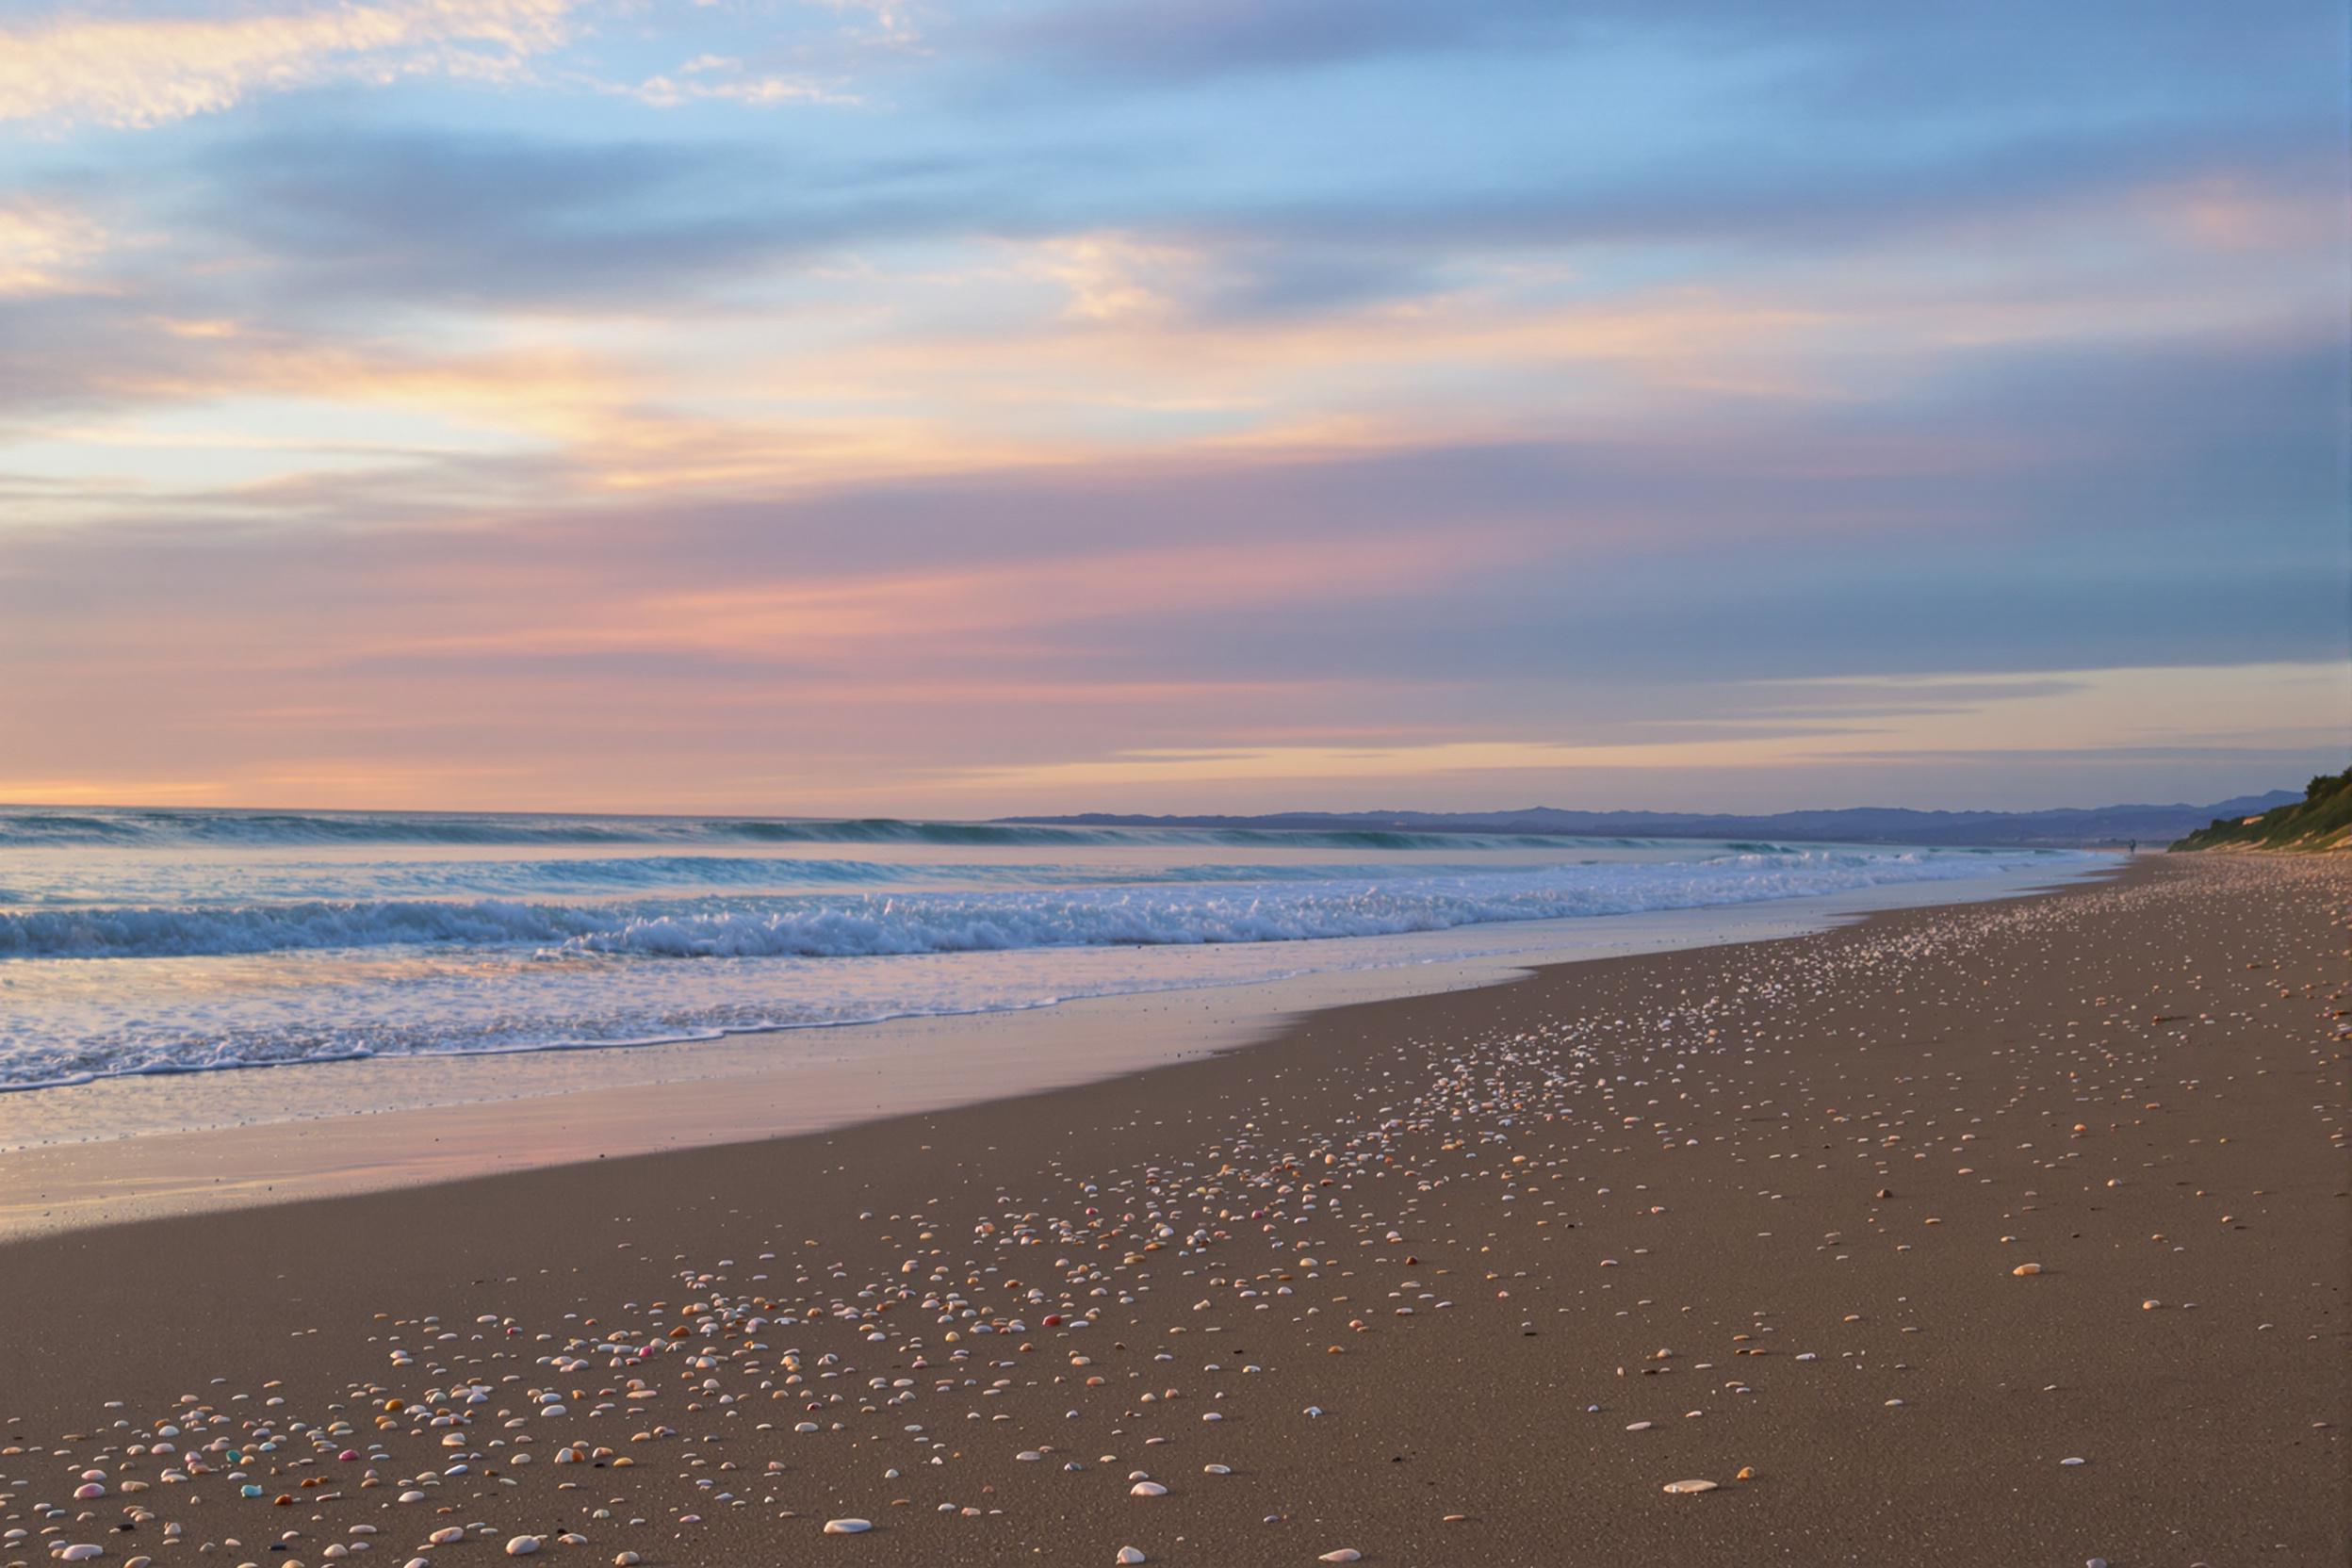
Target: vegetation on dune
2321 819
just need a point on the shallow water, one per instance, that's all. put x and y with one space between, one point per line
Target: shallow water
165 942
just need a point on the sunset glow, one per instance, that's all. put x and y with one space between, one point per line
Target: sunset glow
837 408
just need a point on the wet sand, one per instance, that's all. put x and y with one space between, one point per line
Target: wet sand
147 1147
1468 1277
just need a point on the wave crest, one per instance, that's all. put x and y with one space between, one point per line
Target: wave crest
851 924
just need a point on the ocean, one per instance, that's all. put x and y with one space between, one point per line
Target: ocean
150 942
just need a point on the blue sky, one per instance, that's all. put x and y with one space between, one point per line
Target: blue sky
763 405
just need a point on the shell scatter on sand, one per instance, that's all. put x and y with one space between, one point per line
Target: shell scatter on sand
1433 1207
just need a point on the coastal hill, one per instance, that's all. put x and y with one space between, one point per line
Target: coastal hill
2099 824
2321 819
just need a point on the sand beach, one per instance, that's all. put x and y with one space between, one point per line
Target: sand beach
2009 1231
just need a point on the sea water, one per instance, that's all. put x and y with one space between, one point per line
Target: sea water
147 942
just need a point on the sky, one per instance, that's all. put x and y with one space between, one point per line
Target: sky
850 407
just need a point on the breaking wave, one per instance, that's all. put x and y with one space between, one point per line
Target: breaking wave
854 925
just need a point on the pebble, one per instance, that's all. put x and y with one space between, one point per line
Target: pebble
735 1345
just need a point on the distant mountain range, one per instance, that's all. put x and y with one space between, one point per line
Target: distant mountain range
2095 825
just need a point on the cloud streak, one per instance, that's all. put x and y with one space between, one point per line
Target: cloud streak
1383 402
134 69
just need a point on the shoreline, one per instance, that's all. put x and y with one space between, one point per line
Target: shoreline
1466 1277
295 1135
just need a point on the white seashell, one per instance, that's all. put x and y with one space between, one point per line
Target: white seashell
1132 1555
847 1527
1147 1489
1688 1489
1346 1553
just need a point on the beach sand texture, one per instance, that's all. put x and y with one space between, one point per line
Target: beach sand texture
2011 1232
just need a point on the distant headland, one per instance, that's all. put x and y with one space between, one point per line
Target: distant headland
2322 819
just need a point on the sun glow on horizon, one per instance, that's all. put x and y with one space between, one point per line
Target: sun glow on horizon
802 407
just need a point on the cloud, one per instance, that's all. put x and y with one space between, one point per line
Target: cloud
45 247
1203 38
1850 58
1370 386
2068 714
142 70
438 218
714 78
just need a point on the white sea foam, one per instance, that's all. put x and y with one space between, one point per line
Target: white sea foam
162 943
903 923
